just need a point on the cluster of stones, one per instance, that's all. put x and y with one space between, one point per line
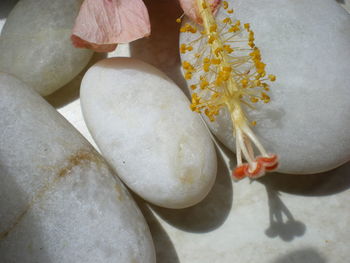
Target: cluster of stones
54 186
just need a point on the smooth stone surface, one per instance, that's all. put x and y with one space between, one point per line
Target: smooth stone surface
143 126
59 201
306 44
35 44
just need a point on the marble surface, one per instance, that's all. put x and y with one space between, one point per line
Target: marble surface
278 219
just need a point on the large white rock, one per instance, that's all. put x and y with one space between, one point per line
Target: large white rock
59 201
306 44
35 44
143 126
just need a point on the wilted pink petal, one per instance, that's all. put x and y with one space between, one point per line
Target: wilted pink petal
101 24
191 10
81 43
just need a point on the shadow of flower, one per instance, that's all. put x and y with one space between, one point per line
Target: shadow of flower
282 222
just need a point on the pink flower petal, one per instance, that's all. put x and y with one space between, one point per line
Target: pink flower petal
191 10
101 24
81 43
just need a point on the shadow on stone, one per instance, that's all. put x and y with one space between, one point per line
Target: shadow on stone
328 183
6 6
165 249
305 255
161 49
232 163
70 91
209 214
282 222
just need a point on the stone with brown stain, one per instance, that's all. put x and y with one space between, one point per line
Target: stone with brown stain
119 190
18 219
57 186
80 157
187 178
77 159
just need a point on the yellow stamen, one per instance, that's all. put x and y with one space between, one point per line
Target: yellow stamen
232 76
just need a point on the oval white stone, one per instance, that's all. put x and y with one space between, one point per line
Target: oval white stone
59 201
35 44
306 44
143 126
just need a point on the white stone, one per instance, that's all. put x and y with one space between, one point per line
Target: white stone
59 201
306 44
142 123
35 44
